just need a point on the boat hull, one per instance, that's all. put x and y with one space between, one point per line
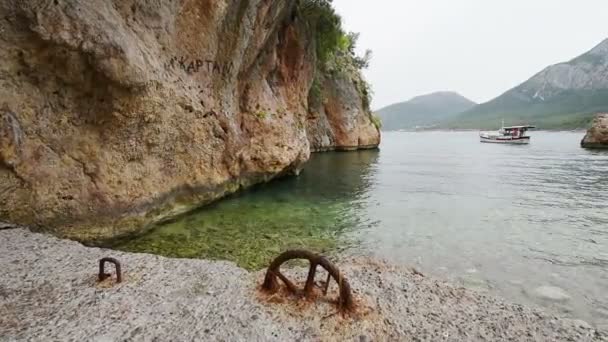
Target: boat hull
516 141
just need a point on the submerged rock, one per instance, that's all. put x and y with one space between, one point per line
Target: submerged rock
597 136
116 114
552 293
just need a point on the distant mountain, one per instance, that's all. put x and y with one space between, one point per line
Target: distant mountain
425 110
562 96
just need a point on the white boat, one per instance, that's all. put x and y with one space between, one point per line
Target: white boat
507 135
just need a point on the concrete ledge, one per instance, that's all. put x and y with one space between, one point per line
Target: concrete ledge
48 292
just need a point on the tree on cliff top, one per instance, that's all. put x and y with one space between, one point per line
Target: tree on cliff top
331 40
335 48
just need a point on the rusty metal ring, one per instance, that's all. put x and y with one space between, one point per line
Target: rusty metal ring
271 285
103 275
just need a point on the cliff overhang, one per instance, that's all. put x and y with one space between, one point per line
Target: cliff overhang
119 114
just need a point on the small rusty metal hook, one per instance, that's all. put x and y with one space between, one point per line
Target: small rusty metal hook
345 301
103 275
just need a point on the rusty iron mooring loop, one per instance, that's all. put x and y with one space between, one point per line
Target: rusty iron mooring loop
345 301
103 275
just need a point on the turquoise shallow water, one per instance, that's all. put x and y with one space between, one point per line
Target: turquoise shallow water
317 210
510 220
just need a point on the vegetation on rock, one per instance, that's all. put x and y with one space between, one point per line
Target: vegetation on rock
377 121
335 50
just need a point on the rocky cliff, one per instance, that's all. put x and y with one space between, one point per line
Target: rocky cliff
117 114
335 120
586 72
597 136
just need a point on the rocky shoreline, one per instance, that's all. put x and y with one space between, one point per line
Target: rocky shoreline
49 292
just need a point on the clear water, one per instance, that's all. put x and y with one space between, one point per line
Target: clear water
498 218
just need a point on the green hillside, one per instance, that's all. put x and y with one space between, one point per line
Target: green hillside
562 96
571 109
425 111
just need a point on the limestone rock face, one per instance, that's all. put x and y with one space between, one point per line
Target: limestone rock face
597 136
586 72
116 114
340 119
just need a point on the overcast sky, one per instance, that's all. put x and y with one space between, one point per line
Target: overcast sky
479 48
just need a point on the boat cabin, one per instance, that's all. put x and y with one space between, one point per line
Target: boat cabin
515 131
